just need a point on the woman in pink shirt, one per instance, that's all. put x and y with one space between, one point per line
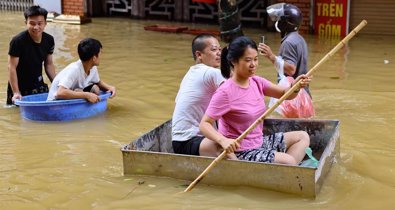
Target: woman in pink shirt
239 101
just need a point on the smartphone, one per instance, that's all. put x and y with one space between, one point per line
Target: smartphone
263 42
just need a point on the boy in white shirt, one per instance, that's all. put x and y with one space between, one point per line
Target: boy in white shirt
80 79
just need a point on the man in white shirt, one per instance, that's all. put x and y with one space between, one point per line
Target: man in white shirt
196 90
80 79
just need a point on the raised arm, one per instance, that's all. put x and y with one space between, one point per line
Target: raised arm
279 63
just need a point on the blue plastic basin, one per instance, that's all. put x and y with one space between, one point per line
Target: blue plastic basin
37 108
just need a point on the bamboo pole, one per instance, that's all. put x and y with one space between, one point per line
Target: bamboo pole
341 44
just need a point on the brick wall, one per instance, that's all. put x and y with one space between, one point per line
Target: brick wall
304 6
73 7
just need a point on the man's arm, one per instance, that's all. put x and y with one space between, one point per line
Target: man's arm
64 93
50 67
289 68
13 77
104 86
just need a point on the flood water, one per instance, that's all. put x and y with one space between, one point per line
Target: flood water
78 165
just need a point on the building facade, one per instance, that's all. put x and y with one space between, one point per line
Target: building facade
379 13
252 12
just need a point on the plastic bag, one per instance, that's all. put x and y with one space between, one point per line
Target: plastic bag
311 161
299 107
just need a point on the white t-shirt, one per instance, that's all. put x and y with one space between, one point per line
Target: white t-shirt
196 89
73 77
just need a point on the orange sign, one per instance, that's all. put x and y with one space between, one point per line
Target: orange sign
331 17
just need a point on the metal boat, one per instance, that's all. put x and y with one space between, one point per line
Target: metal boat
152 154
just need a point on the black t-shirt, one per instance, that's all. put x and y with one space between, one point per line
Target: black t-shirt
31 57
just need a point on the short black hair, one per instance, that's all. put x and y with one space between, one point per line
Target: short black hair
35 11
89 47
198 43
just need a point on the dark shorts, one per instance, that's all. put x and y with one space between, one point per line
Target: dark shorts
271 144
189 147
89 88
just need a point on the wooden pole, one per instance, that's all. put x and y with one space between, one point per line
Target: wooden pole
341 44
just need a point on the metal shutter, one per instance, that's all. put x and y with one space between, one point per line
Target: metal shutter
379 14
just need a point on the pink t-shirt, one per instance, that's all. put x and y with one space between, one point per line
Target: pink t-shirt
237 108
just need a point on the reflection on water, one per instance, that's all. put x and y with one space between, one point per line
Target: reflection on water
78 165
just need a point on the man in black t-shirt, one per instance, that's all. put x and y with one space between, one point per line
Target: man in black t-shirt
28 51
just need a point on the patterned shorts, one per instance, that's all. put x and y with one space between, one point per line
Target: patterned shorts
271 144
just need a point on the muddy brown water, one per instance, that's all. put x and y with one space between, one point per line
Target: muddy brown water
78 165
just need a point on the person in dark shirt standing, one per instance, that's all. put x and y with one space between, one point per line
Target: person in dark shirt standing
28 51
293 54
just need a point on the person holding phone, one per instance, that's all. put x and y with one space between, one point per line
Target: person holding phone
293 54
